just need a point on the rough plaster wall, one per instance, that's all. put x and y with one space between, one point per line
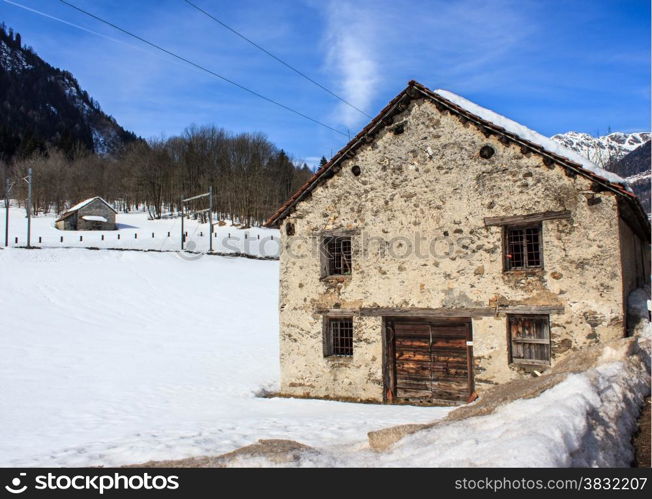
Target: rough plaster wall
429 184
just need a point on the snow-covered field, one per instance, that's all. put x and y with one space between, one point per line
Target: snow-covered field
111 357
135 231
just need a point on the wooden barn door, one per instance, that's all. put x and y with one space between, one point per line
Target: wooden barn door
429 361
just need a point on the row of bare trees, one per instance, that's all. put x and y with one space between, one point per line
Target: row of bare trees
250 177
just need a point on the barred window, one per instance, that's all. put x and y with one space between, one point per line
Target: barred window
530 339
339 337
336 256
523 249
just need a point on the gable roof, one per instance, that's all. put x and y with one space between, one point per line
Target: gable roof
489 123
81 204
530 135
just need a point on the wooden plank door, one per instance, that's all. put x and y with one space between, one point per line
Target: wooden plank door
413 361
428 361
450 361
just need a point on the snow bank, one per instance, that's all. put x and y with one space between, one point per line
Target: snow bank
586 420
525 133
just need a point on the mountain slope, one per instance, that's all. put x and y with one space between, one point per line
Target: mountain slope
42 106
602 150
635 167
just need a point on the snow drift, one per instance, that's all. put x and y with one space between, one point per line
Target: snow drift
585 419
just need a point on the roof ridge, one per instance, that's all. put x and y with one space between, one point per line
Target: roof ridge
83 203
416 90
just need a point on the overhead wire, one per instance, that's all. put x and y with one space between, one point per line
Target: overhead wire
203 68
276 58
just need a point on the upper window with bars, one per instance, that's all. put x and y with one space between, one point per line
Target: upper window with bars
339 337
336 256
523 247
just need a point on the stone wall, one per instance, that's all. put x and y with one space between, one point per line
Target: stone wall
68 223
96 208
418 210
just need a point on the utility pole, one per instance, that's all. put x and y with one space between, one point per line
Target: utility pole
183 235
6 210
8 186
210 219
28 179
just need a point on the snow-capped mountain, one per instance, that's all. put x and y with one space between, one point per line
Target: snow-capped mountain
602 150
626 154
43 106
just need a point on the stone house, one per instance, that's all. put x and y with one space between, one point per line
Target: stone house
91 214
447 248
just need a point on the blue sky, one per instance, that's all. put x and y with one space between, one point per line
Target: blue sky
554 66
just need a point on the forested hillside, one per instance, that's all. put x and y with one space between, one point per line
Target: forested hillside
44 107
49 124
249 175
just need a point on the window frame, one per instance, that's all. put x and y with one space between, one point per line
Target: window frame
329 338
507 262
328 267
521 361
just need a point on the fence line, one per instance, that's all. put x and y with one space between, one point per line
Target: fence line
257 247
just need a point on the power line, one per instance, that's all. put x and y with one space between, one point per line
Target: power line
44 14
198 66
262 49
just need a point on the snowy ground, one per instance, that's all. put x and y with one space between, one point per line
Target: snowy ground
586 420
109 358
135 231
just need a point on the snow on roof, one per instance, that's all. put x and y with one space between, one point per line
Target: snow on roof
80 205
94 218
529 135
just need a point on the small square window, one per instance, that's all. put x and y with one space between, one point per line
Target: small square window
529 337
336 256
339 337
523 248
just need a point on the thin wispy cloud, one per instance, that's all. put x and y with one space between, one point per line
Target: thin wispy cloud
350 56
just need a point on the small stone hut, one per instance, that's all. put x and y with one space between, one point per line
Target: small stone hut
446 249
91 214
